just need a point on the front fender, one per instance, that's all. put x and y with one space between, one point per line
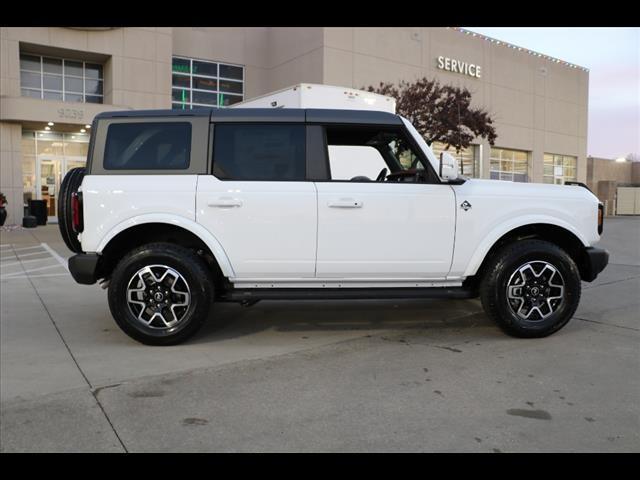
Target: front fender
211 241
499 231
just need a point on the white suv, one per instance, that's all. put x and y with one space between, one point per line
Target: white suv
181 209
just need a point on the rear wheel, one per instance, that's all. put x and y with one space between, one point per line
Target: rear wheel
70 185
531 288
161 294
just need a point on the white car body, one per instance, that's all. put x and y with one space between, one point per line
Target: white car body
327 235
177 210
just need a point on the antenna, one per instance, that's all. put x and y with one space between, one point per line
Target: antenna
459 137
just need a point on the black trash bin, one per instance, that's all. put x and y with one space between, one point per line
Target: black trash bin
38 208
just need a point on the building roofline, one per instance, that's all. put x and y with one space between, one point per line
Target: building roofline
519 48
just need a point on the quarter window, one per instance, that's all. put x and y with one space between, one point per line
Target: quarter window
148 146
259 152
199 83
61 79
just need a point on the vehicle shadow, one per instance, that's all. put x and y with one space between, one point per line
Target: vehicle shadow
230 320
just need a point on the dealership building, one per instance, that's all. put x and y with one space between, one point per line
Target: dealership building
53 81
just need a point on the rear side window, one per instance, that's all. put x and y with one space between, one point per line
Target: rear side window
259 152
148 146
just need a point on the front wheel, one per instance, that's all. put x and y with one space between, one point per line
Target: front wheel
161 294
531 288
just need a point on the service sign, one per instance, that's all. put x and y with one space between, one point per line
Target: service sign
458 66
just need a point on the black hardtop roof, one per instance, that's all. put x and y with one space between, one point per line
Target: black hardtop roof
312 115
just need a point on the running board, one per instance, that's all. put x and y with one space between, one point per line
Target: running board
249 294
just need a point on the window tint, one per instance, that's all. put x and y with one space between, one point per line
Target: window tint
148 146
259 152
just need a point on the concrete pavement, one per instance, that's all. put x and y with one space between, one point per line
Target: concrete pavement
416 375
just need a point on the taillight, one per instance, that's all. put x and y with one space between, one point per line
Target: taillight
76 212
600 218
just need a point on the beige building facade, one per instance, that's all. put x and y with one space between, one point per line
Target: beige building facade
53 81
605 176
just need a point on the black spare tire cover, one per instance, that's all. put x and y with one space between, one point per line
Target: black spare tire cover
70 184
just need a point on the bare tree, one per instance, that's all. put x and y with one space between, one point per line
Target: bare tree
441 113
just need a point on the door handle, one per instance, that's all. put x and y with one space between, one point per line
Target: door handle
225 202
345 203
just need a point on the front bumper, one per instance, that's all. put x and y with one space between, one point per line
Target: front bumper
84 267
595 259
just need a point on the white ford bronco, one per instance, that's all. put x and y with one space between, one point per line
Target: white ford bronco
177 210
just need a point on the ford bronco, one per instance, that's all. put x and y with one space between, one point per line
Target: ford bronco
177 210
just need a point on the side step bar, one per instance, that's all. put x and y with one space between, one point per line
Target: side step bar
255 294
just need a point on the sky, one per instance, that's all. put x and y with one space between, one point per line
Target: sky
612 56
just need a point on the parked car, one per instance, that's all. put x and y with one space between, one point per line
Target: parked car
177 210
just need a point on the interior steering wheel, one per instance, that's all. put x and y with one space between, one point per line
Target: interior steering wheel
382 175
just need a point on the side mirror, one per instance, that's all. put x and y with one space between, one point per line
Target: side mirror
448 166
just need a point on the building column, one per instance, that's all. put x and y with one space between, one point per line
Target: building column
485 158
536 167
11 171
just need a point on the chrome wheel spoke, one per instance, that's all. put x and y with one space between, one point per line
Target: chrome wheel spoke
158 296
535 290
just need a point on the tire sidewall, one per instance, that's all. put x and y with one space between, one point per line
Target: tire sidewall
558 259
200 288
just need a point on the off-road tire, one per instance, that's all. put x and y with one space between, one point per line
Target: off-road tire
504 263
70 184
196 275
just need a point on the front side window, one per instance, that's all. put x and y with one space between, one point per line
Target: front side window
509 165
61 79
363 154
559 168
259 152
148 146
200 83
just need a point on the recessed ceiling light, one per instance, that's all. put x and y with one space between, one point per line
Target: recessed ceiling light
82 130
87 126
47 128
50 124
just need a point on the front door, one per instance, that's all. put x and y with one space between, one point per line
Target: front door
257 203
378 217
385 231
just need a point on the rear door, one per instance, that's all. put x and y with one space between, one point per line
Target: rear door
256 201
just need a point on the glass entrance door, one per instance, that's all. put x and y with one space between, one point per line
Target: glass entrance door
47 182
50 170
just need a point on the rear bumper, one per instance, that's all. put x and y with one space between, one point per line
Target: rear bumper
595 259
83 268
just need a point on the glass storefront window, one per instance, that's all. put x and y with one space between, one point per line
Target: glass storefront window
467 158
50 78
559 168
509 164
198 83
46 158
